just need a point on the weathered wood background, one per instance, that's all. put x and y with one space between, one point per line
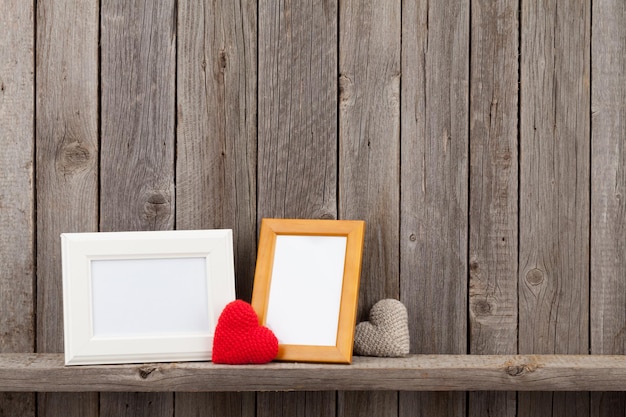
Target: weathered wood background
483 141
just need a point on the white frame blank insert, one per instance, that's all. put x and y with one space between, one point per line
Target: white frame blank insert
144 296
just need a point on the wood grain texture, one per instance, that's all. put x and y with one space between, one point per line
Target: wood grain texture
138 49
554 190
216 149
608 216
434 164
67 404
17 205
608 191
67 165
425 404
434 178
493 178
216 140
131 404
235 404
492 403
67 148
493 194
331 145
17 404
297 131
275 404
46 372
369 148
297 166
562 404
17 136
608 404
297 404
369 140
383 403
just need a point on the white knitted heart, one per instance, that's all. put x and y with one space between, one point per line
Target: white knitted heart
386 333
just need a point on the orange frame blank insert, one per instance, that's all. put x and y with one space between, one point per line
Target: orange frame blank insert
306 286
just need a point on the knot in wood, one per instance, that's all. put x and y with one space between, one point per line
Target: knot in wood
515 370
345 88
157 207
73 157
145 371
482 308
157 199
223 60
519 369
534 277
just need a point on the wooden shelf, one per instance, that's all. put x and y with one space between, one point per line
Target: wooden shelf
46 372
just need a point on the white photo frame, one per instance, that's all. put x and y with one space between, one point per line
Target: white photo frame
133 297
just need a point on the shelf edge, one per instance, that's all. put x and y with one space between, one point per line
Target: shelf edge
47 373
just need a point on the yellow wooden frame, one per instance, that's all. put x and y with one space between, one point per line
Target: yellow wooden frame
354 231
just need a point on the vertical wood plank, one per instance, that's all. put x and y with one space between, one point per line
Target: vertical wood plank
275 404
435 112
17 205
221 404
427 404
136 404
67 165
297 109
369 404
296 404
75 404
493 178
608 191
279 404
369 149
369 143
493 191
554 191
138 49
297 135
67 148
216 150
557 404
17 328
492 403
434 225
216 131
321 404
17 404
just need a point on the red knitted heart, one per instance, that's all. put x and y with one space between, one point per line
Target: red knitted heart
239 339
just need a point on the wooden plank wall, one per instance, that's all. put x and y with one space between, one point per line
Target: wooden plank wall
608 190
67 155
17 206
554 206
484 143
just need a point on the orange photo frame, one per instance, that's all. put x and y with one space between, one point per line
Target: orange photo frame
306 286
